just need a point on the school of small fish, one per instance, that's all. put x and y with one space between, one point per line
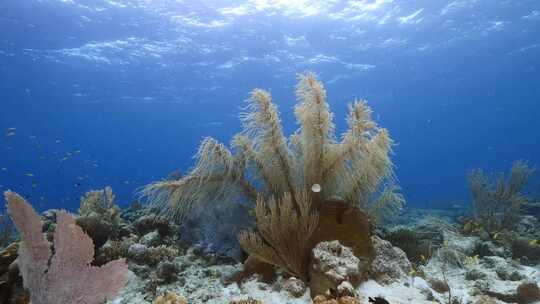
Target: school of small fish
61 158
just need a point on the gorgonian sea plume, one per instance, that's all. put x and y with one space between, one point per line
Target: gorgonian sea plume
263 162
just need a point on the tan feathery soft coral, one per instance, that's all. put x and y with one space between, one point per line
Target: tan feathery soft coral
69 278
264 162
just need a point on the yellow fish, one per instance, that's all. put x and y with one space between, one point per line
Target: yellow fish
533 243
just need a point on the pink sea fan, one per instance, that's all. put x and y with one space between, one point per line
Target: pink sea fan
69 277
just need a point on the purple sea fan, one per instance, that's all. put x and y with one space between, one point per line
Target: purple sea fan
69 277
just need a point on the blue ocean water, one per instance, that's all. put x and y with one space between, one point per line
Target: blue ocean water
121 92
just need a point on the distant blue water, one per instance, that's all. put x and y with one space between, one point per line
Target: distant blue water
135 85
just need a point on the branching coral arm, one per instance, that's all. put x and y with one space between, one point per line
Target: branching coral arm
262 126
354 141
316 127
369 170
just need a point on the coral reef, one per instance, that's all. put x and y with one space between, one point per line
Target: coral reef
473 278
45 276
310 213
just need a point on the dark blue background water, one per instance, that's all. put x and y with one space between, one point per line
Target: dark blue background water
135 85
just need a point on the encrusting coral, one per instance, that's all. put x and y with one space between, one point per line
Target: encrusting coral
265 163
497 205
45 276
